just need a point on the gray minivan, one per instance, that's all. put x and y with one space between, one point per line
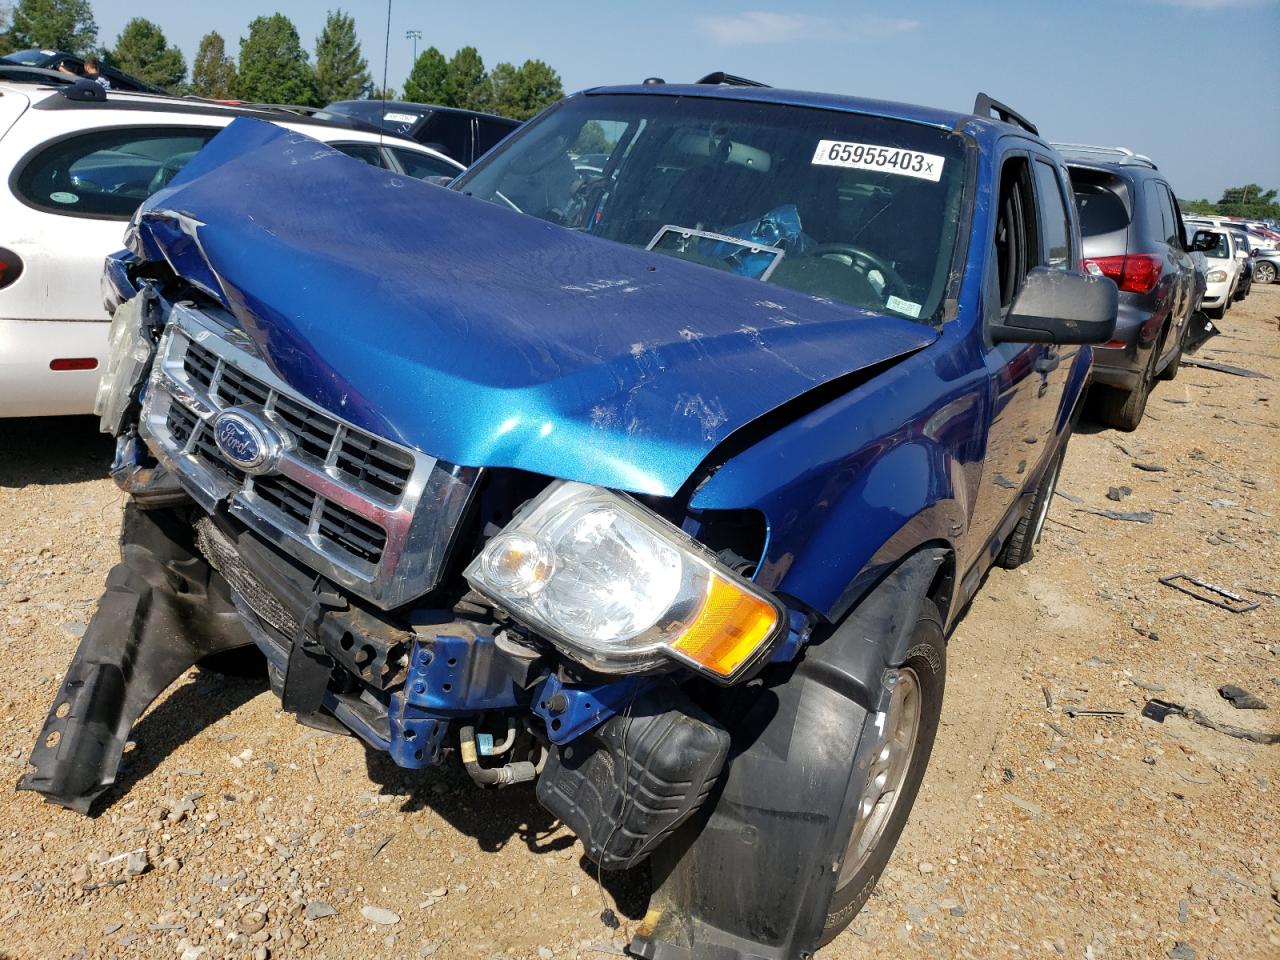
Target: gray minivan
1132 232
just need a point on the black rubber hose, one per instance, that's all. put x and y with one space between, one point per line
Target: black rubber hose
491 776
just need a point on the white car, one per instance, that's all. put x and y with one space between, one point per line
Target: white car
74 172
1225 269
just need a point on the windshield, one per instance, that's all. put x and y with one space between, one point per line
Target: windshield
848 207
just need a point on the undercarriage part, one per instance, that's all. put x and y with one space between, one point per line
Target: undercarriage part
163 611
751 877
623 787
518 771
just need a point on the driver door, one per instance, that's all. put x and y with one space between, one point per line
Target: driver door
1015 438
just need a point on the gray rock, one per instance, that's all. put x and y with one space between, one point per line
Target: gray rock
137 863
1182 951
428 949
379 915
317 909
1026 805
74 630
1118 493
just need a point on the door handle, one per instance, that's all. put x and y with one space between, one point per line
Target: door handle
1048 363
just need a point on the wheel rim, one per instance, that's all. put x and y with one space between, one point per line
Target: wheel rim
887 775
1266 273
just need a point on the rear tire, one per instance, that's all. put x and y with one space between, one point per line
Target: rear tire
911 724
1121 409
1170 371
1021 545
1264 273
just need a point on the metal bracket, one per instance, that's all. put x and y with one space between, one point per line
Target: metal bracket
1235 603
569 712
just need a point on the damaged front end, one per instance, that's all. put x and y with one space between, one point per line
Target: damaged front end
257 518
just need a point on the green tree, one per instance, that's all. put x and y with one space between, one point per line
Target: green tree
341 73
6 19
378 93
273 66
466 84
213 74
591 138
426 80
53 24
520 92
142 50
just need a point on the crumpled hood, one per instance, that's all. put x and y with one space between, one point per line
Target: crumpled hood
486 337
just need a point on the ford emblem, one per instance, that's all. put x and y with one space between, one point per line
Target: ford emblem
246 441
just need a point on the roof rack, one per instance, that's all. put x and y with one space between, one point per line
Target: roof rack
984 106
1121 155
722 79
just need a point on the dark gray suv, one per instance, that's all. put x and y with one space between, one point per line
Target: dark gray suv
1132 232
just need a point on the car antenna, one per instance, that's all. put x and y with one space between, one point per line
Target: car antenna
386 52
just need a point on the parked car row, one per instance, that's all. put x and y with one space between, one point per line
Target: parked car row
78 161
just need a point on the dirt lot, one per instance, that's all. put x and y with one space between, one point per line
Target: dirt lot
1038 833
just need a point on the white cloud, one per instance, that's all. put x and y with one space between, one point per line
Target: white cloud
763 26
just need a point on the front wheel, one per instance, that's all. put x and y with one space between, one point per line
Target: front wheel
1021 545
895 761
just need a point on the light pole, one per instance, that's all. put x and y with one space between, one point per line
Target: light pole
415 36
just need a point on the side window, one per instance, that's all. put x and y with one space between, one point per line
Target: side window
1015 239
368 152
106 174
1155 214
490 133
422 165
1175 222
450 133
1055 222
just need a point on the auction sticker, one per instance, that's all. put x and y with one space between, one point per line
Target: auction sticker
868 156
400 117
61 196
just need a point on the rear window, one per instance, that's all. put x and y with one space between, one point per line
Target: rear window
1100 200
106 174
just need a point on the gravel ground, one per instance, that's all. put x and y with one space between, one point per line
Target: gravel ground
236 833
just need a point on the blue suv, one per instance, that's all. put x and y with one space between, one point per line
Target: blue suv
658 484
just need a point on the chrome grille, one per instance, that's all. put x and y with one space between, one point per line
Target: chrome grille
374 516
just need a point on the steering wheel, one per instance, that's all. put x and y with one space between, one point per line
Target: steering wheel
893 282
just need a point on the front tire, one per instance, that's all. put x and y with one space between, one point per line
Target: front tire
1021 545
896 762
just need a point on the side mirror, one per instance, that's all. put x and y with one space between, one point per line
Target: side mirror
1059 307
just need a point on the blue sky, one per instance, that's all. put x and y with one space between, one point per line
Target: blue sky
1194 83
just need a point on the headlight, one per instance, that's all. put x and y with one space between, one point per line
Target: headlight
128 354
619 589
1216 276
